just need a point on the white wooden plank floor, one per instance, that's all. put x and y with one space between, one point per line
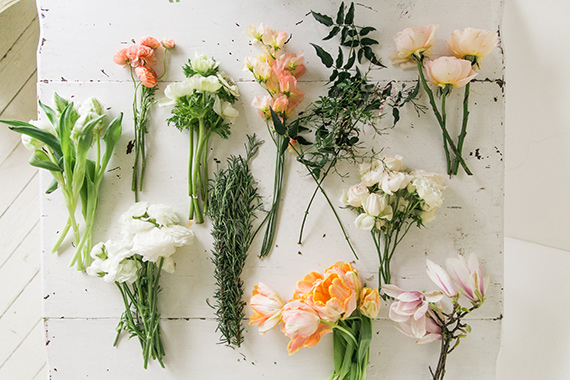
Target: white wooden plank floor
22 356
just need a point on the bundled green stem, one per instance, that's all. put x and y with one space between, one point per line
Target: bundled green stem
141 318
351 340
234 200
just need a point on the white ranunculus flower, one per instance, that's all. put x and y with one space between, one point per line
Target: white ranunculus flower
153 244
394 181
225 110
364 222
111 262
130 226
202 63
164 215
429 187
168 265
181 235
357 194
372 177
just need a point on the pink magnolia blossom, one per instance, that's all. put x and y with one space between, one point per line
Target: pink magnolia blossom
430 333
468 274
409 304
445 71
440 277
474 42
151 42
147 76
266 305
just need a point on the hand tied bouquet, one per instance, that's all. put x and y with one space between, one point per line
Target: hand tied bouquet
424 316
141 59
336 302
150 235
63 144
415 44
389 200
203 105
277 74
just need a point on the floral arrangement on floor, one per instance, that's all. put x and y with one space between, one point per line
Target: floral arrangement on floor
150 235
234 201
414 46
62 145
425 317
336 302
203 106
389 200
141 59
277 74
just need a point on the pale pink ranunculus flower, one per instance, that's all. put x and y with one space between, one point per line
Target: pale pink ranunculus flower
474 42
452 71
302 324
468 274
267 305
440 277
120 57
151 42
414 42
140 55
147 76
167 44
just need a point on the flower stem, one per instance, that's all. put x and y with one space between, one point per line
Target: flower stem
444 120
440 120
463 126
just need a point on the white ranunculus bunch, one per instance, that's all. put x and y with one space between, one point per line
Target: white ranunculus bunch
390 199
148 233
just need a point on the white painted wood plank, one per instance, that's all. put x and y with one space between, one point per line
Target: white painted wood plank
14 21
42 374
28 359
192 353
185 292
17 322
18 65
16 168
224 37
19 219
20 268
22 107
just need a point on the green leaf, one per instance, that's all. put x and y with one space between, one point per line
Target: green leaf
360 55
111 137
339 348
52 186
368 41
323 19
64 132
285 144
343 34
50 113
60 103
301 140
340 14
349 19
323 55
333 75
350 61
351 43
277 123
41 160
369 54
332 33
367 29
339 58
28 129
365 337
396 115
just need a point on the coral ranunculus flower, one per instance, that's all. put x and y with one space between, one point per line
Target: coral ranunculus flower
302 324
140 55
266 305
147 76
168 44
449 71
151 42
121 58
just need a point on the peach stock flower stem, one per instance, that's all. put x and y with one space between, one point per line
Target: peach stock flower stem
463 126
440 120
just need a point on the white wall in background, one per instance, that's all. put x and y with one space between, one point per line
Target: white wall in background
536 35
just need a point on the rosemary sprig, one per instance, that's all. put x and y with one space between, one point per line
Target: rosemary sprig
234 201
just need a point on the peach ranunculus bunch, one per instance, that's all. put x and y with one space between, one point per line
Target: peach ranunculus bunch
336 302
141 58
277 73
423 316
389 200
468 47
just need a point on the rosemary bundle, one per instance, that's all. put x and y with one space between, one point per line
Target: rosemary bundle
233 202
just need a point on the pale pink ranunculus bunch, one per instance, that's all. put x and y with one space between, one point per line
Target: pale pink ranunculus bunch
472 44
452 71
319 302
413 44
142 57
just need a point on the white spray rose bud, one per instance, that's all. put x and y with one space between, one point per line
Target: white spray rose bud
393 163
372 177
374 204
394 181
364 222
357 194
